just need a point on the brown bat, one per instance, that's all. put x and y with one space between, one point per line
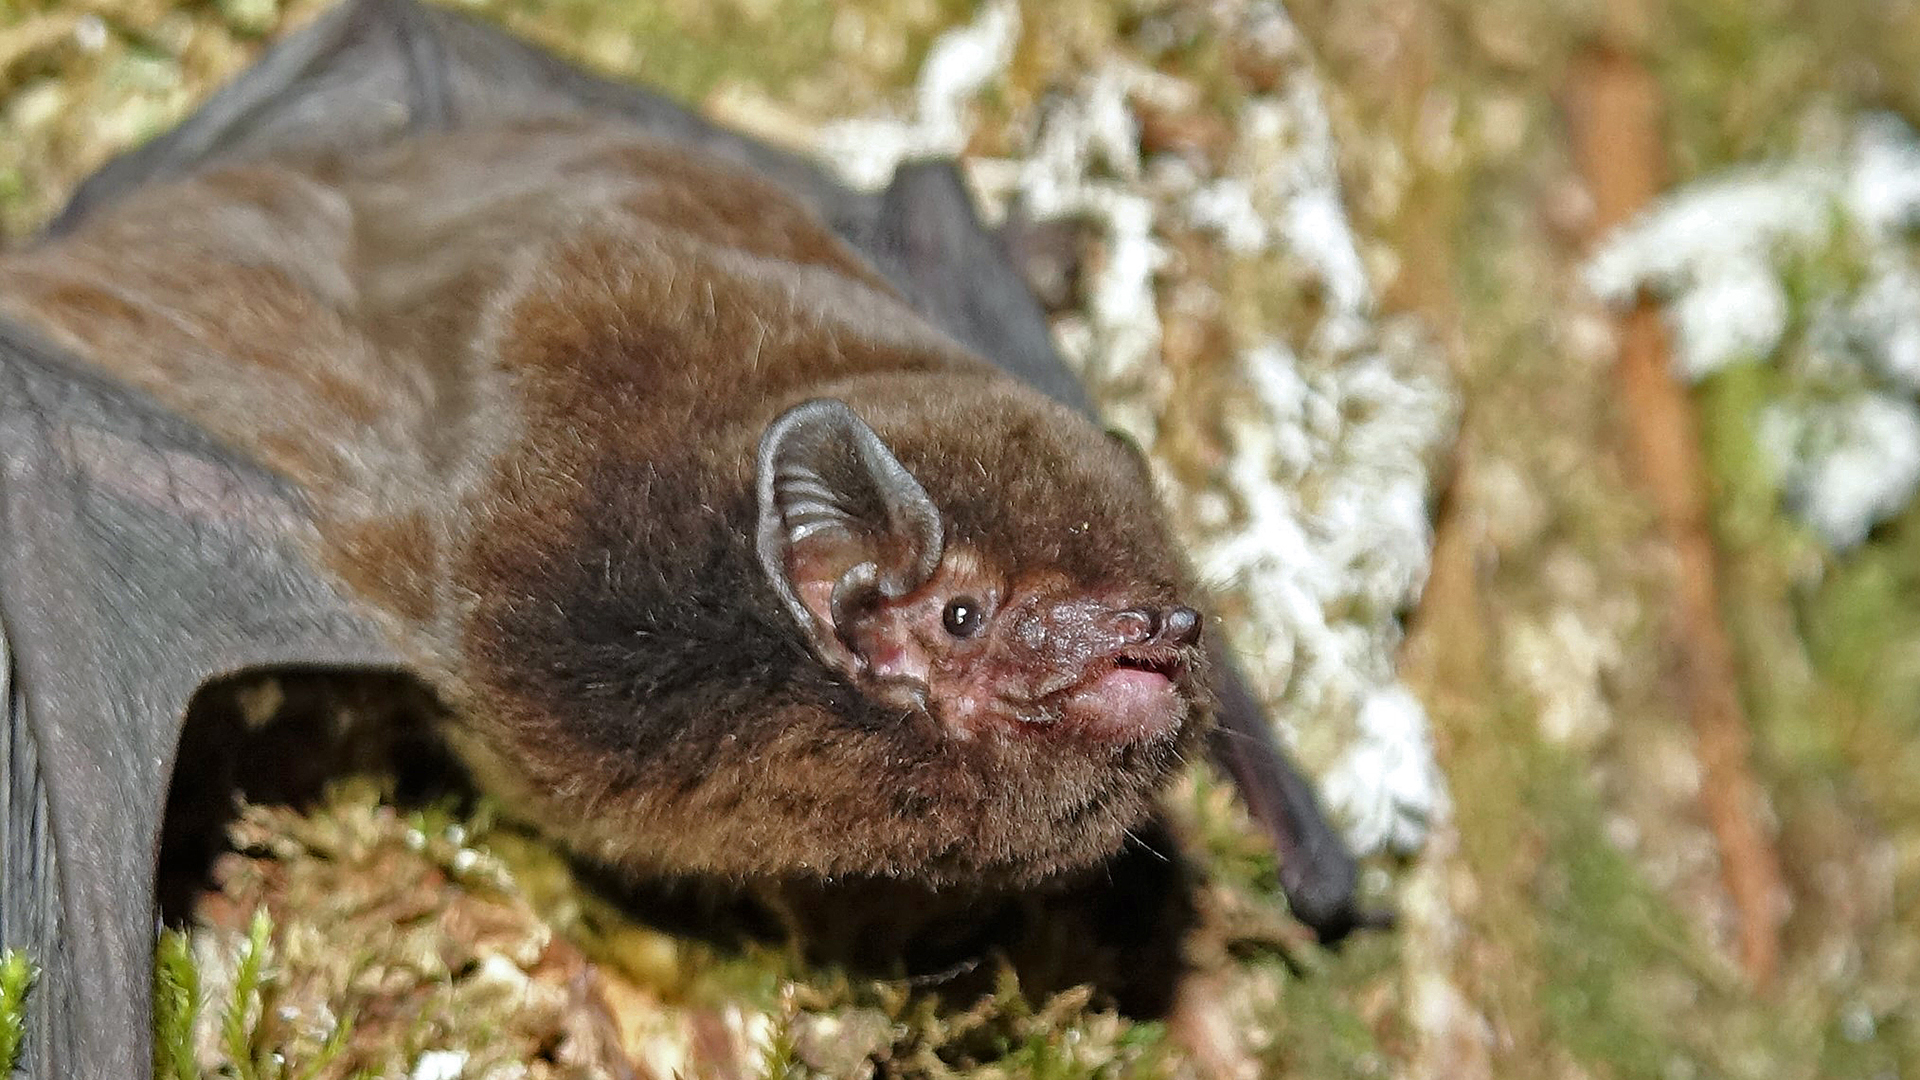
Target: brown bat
743 524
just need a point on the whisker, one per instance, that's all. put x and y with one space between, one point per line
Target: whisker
1233 734
1148 848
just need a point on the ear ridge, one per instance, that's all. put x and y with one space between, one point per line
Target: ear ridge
828 485
807 503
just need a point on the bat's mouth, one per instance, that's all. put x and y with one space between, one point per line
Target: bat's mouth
1166 663
1133 697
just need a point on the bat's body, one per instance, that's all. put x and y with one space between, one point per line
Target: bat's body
523 376
696 487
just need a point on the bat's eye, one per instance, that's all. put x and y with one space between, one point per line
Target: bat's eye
964 616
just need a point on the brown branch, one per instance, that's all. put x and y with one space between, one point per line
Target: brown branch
1614 109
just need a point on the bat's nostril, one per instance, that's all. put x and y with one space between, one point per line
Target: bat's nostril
1137 626
1180 626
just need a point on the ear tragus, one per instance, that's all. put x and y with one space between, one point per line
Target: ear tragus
842 522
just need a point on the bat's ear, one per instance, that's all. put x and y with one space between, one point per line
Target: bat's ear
843 525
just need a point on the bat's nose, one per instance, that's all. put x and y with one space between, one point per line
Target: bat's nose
1136 626
1171 626
1179 626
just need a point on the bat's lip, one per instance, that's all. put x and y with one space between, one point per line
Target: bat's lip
1132 696
1167 662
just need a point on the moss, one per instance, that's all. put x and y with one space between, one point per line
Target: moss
17 975
681 47
1861 622
1317 1028
1727 69
691 48
239 1030
176 1008
249 1044
1607 942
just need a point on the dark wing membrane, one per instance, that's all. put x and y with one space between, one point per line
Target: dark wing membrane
1316 869
140 561
929 242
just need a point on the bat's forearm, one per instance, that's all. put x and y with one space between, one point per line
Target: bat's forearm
1317 870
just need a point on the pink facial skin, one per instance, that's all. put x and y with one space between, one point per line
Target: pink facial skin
1033 659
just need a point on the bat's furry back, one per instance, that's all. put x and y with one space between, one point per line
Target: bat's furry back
544 387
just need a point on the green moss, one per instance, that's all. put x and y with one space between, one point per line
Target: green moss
1581 958
1738 76
1746 482
679 46
239 1029
176 1007
1317 1031
1870 1051
249 18
691 48
17 975
1863 623
1607 941
14 193
1227 843
179 1002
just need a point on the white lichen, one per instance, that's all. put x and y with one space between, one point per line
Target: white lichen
1828 231
1885 319
1883 176
963 61
1568 655
439 1065
1845 464
1386 784
1225 208
1705 339
1748 215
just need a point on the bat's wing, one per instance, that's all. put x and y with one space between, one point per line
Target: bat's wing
923 234
140 561
374 70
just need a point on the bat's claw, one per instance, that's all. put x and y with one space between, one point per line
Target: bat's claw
1323 894
1334 928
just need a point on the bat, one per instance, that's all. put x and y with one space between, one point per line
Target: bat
744 523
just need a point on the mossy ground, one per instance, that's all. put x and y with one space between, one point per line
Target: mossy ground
1568 921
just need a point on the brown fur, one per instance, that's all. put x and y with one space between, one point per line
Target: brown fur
522 374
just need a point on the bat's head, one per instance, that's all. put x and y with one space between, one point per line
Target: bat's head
986 630
993 578
943 634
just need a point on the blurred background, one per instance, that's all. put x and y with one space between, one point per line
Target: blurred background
1535 379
